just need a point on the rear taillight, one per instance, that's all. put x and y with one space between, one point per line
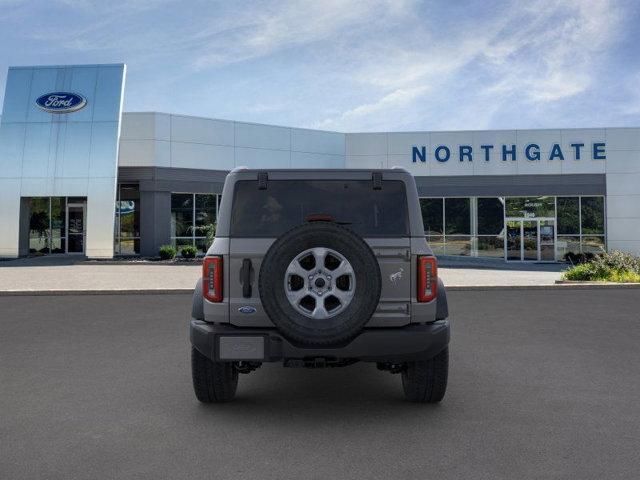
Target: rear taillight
212 279
427 279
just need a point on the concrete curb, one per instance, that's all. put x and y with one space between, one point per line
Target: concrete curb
451 288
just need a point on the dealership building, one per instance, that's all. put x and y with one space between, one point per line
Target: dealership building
79 176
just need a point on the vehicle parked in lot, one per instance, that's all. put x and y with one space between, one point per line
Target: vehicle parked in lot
319 268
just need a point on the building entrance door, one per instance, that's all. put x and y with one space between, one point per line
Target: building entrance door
532 240
76 219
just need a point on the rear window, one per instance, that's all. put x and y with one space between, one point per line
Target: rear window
288 203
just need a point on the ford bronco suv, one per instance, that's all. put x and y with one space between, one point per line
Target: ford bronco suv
319 268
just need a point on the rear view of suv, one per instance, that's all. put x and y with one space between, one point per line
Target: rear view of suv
317 268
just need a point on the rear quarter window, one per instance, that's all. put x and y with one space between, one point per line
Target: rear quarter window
285 204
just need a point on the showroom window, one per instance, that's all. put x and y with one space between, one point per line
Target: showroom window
447 224
457 234
192 214
490 240
47 225
530 207
57 225
474 226
127 227
581 223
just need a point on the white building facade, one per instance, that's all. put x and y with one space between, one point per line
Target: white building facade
99 182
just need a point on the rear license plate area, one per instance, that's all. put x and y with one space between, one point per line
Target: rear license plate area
240 347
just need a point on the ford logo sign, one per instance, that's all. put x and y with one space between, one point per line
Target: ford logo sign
247 310
61 102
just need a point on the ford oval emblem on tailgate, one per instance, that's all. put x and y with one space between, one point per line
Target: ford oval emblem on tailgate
247 310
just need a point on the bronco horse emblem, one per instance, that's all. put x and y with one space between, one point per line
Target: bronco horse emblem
394 277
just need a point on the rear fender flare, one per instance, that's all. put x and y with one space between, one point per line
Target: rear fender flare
442 307
197 307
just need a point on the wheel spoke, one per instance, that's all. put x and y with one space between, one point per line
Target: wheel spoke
297 295
344 296
320 312
343 269
296 269
319 254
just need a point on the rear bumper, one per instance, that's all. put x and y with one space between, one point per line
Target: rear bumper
228 343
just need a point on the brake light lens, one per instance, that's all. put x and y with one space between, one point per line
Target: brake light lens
427 279
212 279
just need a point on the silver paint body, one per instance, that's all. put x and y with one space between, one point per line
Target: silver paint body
396 257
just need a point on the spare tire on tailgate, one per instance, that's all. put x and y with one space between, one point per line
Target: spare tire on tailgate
319 284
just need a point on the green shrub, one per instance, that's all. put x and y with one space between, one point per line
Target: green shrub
607 267
579 272
188 251
167 252
617 260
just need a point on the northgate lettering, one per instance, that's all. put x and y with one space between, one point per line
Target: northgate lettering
532 152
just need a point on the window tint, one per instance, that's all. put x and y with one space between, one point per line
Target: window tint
568 216
490 216
432 213
181 214
457 214
530 207
285 204
593 215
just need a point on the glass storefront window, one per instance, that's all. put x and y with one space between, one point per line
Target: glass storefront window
567 244
432 215
538 228
190 214
436 242
490 246
457 214
568 215
457 245
48 224
593 244
127 227
205 210
181 214
39 225
490 216
592 214
530 207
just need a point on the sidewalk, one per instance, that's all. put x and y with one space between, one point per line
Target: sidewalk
64 274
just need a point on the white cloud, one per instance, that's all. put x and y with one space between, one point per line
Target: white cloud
541 53
353 64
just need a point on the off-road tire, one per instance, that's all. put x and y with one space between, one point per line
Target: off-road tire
213 382
426 382
341 328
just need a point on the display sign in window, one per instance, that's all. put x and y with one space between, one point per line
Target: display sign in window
530 207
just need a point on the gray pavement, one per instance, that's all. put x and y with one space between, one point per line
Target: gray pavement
543 384
66 274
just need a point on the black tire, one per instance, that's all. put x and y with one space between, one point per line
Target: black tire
335 330
426 382
213 382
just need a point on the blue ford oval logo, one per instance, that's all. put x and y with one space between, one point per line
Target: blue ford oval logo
61 102
247 310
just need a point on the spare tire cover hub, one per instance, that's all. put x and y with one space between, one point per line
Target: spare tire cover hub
319 284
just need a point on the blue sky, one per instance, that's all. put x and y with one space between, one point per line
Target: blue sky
350 65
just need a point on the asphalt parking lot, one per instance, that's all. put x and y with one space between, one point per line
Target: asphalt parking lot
543 384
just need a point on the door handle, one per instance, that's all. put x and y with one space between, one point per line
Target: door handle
245 276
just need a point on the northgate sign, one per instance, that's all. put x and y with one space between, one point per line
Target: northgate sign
532 152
